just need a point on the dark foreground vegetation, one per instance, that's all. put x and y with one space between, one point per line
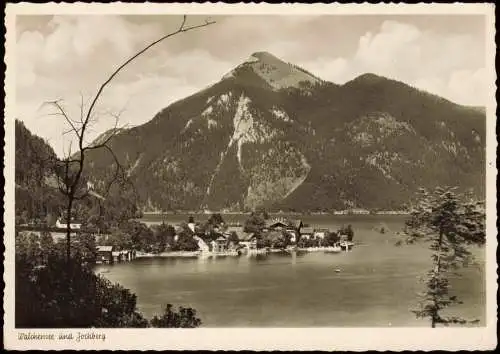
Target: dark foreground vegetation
52 293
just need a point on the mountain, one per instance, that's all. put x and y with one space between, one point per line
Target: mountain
273 72
271 134
35 194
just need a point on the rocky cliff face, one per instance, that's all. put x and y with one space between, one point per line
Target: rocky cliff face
271 134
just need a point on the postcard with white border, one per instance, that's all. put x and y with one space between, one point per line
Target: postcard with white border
250 176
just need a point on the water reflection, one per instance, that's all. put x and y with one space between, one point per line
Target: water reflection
376 285
202 264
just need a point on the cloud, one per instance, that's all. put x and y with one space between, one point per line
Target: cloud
443 64
72 55
468 85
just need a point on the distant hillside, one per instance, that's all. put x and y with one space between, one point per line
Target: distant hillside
36 196
271 134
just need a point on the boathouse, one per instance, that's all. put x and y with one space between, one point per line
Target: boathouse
123 256
104 254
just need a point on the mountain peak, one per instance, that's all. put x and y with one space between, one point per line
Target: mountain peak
275 72
369 78
266 56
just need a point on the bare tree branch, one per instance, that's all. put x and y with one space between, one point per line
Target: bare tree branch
73 167
181 29
119 168
63 113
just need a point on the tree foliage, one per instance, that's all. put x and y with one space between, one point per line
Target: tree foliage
448 223
57 295
52 293
35 199
309 242
185 241
233 237
55 291
164 235
183 318
255 223
331 239
215 219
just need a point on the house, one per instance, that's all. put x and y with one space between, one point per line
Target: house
235 241
219 245
104 254
340 212
275 225
248 240
321 233
61 224
306 233
57 234
359 211
281 224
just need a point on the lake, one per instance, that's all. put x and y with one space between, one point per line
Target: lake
376 286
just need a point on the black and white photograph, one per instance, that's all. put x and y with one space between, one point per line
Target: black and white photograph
249 167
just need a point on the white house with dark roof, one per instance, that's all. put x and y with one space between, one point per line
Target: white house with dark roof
321 233
275 224
61 224
306 232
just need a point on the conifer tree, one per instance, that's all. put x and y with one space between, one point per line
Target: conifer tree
448 223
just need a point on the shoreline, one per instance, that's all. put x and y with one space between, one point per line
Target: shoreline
334 213
196 254
174 254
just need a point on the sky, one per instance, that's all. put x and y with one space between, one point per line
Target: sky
67 57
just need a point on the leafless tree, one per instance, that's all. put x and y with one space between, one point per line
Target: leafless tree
71 167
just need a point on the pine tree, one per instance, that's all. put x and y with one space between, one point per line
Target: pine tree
449 223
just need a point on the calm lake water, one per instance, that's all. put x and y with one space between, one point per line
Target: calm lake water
376 286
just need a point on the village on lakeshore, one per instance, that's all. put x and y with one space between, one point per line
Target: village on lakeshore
260 234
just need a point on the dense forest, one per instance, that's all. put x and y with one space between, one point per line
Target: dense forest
38 199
